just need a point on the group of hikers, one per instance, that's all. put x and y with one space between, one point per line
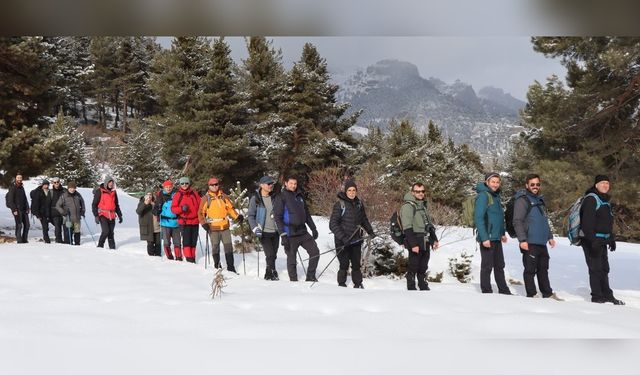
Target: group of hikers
169 220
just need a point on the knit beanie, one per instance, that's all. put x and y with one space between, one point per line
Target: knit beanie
600 178
490 175
348 184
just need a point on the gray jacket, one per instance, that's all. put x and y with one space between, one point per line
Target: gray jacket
530 218
71 204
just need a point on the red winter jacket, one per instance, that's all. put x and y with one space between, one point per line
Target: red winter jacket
192 200
105 203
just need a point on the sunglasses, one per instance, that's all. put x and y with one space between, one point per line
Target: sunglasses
184 183
213 184
56 182
535 184
419 191
270 183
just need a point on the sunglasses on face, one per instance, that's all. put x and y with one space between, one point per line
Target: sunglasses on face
270 183
213 184
419 191
535 184
184 183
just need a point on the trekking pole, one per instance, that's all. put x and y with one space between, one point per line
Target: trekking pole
336 248
69 228
359 228
90 232
301 262
206 255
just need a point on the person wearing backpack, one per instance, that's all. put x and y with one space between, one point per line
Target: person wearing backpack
292 218
215 208
347 219
105 209
16 200
263 225
419 236
490 224
169 228
596 221
185 205
531 224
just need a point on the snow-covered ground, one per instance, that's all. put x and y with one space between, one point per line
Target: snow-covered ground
82 310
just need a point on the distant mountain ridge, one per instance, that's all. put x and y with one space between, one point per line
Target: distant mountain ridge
394 89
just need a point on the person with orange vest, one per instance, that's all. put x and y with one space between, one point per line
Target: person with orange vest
185 204
105 209
213 213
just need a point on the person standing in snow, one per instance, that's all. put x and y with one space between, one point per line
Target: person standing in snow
105 209
16 200
531 223
213 212
56 191
185 205
71 207
348 220
596 224
420 236
489 219
149 224
170 230
41 207
263 225
292 218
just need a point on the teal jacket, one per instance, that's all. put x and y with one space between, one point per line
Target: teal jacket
489 219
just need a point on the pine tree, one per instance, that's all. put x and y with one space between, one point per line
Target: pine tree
68 151
240 199
26 99
138 165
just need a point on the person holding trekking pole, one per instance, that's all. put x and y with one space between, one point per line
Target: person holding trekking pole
347 217
263 225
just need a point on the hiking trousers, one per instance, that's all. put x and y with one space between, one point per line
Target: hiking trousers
492 260
536 263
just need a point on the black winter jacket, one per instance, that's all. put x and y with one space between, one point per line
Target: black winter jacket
16 198
41 203
592 221
55 196
343 225
291 213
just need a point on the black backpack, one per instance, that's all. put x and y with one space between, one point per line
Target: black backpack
508 215
395 226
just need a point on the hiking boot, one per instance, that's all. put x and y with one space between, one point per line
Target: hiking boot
615 301
274 275
358 286
425 287
311 278
555 296
598 300
179 259
342 284
268 275
231 268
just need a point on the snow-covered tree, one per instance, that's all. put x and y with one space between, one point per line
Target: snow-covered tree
240 199
138 165
68 152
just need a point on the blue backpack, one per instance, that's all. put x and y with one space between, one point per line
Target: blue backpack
574 231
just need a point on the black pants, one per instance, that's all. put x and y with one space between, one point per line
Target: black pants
598 262
492 260
153 247
60 230
418 264
107 226
536 263
270 243
190 235
22 227
351 254
44 221
309 244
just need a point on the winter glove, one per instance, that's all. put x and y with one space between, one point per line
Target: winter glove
314 233
185 208
119 219
285 242
205 227
97 220
612 245
239 219
257 231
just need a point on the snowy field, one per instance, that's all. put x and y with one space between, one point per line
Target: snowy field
83 310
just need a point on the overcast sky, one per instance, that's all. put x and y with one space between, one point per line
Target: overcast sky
505 62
